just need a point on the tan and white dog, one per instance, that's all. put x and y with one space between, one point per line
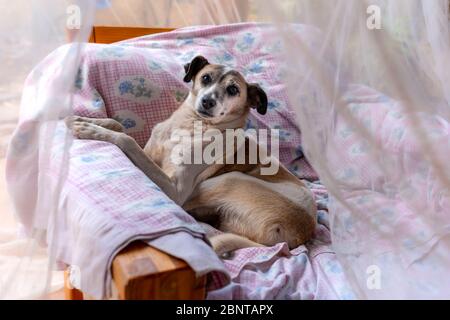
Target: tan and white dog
250 208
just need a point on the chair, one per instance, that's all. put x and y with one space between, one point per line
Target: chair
139 271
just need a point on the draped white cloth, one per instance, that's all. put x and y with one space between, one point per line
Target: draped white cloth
373 107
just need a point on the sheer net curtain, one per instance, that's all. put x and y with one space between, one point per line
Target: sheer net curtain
388 217
172 13
20 49
29 31
389 200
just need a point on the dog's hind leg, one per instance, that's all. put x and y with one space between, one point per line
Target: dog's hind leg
215 199
226 243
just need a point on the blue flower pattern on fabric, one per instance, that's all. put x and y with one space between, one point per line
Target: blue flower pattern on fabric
334 267
180 95
246 42
125 87
127 123
162 202
226 59
298 152
88 159
97 101
218 41
256 67
108 174
294 169
274 104
138 88
154 66
284 134
185 57
112 52
249 124
79 79
185 41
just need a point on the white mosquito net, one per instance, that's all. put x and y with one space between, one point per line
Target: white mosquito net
372 102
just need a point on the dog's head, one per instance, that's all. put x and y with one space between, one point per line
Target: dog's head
222 93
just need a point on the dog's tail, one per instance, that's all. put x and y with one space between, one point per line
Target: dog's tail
224 244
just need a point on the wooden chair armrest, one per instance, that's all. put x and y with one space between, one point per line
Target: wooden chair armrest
141 272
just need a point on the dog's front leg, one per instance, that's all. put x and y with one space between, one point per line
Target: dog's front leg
91 131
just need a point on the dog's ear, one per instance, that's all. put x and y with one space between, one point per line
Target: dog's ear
257 98
192 68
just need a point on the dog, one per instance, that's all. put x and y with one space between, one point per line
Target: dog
251 209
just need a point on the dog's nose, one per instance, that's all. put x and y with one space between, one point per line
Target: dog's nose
208 103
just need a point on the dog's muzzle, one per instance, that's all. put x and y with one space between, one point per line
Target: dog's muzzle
206 106
208 103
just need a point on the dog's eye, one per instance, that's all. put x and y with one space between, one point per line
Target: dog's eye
232 90
206 79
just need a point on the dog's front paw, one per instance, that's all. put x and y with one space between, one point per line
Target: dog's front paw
90 131
69 121
106 123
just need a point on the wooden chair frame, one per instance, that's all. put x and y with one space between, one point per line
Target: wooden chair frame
140 271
